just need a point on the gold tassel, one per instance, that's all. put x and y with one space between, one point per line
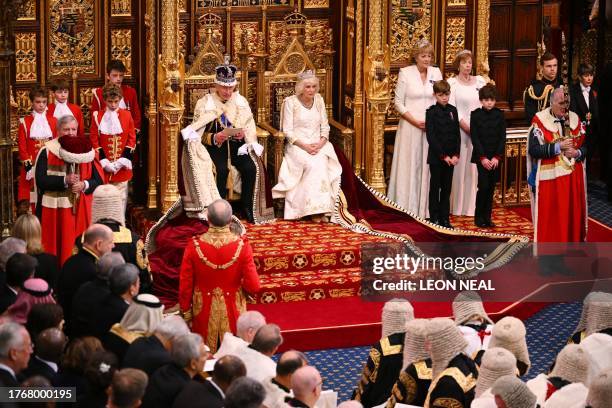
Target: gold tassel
230 178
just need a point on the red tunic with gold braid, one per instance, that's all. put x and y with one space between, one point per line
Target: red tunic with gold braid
216 267
112 147
559 205
130 98
28 150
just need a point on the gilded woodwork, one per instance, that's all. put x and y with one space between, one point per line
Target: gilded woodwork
392 114
26 60
85 98
24 105
410 21
350 52
121 8
27 11
482 36
358 162
242 3
318 39
121 47
455 38
316 4
254 40
14 119
73 36
514 189
278 37
151 109
182 37
452 3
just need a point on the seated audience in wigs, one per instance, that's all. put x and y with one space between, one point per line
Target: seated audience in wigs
488 133
81 267
246 326
188 357
584 103
127 388
152 352
306 384
98 376
580 333
34 131
106 209
140 319
44 316
48 350
115 74
510 392
72 366
509 333
34 291
496 362
67 172
61 107
91 295
600 390
257 357
27 227
384 364
245 392
473 322
279 387
442 130
123 283
413 383
454 373
211 392
9 247
598 346
309 177
113 135
599 315
15 350
567 378
19 268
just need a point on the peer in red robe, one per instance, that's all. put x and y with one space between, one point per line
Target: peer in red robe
67 173
217 266
556 173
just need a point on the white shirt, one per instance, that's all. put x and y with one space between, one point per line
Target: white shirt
49 363
217 387
585 93
62 109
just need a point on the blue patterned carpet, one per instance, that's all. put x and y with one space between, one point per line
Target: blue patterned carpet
547 333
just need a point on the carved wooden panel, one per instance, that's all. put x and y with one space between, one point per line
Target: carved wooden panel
455 38
85 98
253 39
27 11
121 47
316 3
120 8
242 3
278 38
410 21
25 57
24 104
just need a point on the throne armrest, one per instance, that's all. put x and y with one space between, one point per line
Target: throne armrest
278 147
262 138
342 137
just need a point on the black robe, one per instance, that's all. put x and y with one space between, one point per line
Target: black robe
455 386
412 385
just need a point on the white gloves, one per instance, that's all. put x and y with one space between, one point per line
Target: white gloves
189 134
30 174
108 166
257 148
123 162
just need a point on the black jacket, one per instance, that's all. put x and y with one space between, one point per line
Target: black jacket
111 311
164 386
443 136
146 354
579 107
47 268
7 298
538 85
7 379
488 133
452 389
86 301
77 270
37 367
115 344
204 393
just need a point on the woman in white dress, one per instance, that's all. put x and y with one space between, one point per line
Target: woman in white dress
409 184
464 96
309 177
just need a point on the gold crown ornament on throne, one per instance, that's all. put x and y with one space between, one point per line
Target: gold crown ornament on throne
295 20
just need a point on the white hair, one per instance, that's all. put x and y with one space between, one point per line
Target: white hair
10 247
107 262
171 327
66 119
249 320
11 337
185 348
300 85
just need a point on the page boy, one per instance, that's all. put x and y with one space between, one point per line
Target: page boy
442 127
61 107
488 132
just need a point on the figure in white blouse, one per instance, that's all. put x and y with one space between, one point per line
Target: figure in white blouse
464 96
409 183
309 177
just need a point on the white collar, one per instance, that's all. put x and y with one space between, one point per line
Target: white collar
217 387
12 290
49 363
9 369
61 109
584 88
40 128
110 124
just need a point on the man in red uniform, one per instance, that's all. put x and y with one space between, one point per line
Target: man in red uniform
216 267
113 135
115 72
556 173
61 107
34 131
67 172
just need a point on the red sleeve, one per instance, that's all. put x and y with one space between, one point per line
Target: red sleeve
22 143
135 108
95 101
186 274
250 278
93 130
131 137
78 114
52 124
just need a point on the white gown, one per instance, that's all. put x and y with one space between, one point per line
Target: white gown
309 184
409 183
465 176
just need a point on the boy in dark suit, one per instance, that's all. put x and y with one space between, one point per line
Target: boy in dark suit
583 102
488 132
442 127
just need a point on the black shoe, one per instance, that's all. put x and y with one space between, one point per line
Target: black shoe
490 224
479 222
446 224
248 213
433 220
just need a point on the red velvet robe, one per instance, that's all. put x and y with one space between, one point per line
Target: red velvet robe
28 151
216 267
112 147
129 97
76 112
559 203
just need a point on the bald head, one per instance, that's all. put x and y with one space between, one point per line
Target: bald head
290 361
267 339
99 239
227 369
248 323
306 384
49 344
219 213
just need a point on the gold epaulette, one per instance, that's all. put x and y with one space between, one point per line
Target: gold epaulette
123 236
388 349
422 371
